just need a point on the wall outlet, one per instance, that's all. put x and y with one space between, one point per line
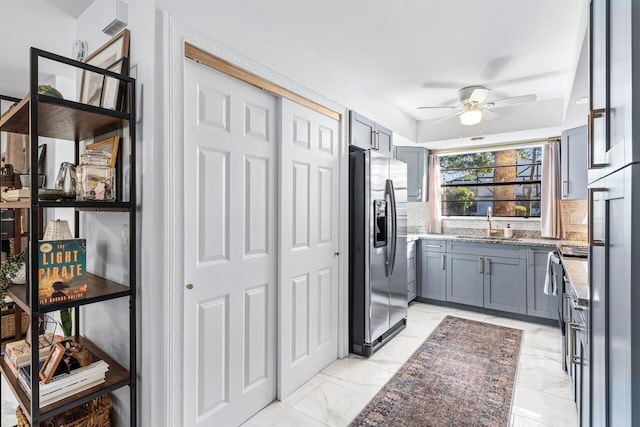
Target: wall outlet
125 238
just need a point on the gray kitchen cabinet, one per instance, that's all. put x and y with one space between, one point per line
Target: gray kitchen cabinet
416 159
539 304
368 135
465 279
505 286
432 270
411 270
573 163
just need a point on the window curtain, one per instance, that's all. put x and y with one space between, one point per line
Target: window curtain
551 221
434 213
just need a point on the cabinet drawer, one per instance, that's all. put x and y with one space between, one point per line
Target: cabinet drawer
433 245
487 249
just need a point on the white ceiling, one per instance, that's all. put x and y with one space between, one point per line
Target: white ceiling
407 53
418 52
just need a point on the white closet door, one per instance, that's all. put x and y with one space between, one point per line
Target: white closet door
230 248
308 291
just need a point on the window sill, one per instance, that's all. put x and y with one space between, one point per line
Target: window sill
493 218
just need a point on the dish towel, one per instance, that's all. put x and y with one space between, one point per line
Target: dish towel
550 287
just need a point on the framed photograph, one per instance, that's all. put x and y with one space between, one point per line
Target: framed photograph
51 363
110 145
107 56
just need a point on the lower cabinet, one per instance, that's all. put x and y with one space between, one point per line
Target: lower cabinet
500 277
539 304
411 270
465 279
505 285
432 270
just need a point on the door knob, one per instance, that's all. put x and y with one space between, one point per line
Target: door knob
189 286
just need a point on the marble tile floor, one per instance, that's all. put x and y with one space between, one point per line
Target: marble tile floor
542 396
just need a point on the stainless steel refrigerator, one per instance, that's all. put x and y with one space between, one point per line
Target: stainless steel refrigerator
377 250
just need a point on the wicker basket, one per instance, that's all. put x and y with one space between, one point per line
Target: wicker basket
8 324
96 413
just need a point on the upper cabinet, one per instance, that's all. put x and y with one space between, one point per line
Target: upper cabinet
573 159
416 160
613 72
368 135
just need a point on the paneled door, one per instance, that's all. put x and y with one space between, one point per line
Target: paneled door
230 248
308 294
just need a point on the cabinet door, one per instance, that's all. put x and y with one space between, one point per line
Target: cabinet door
384 141
411 270
505 284
573 155
465 279
434 278
361 131
416 160
539 304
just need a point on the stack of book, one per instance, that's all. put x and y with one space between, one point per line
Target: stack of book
64 385
18 353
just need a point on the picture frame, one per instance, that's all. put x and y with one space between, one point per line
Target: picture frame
106 56
113 90
51 363
110 145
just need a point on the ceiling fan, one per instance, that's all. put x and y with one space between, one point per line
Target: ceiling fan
473 108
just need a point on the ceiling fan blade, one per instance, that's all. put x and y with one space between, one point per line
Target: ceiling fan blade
503 102
447 117
489 115
449 107
479 94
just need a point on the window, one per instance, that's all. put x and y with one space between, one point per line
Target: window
507 181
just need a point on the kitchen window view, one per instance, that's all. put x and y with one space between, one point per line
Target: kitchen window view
507 181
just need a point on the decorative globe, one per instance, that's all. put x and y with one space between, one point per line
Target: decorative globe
49 91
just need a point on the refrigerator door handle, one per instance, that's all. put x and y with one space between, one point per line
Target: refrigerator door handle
394 227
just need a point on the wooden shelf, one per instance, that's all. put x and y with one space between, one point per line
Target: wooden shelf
98 289
62 119
116 377
22 204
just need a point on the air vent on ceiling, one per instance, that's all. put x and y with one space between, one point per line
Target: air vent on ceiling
115 17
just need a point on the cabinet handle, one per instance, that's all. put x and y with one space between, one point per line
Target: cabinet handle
480 265
592 241
565 188
594 114
573 328
442 261
565 297
488 265
431 246
530 256
575 306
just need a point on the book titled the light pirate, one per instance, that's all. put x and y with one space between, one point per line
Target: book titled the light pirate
61 270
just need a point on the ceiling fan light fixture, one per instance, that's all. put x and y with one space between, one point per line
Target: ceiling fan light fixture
471 117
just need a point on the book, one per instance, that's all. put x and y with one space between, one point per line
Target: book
18 353
62 270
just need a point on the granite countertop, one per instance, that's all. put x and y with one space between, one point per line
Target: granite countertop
551 243
577 269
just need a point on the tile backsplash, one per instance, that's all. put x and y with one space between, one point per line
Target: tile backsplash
574 220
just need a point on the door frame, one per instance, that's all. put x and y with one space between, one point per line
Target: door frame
174 36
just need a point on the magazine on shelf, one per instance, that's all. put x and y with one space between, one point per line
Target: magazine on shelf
18 353
62 270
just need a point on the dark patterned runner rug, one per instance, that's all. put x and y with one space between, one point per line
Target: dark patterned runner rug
462 375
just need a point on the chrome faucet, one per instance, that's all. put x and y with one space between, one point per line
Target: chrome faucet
489 230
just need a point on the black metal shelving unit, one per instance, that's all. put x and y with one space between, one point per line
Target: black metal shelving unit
40 115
